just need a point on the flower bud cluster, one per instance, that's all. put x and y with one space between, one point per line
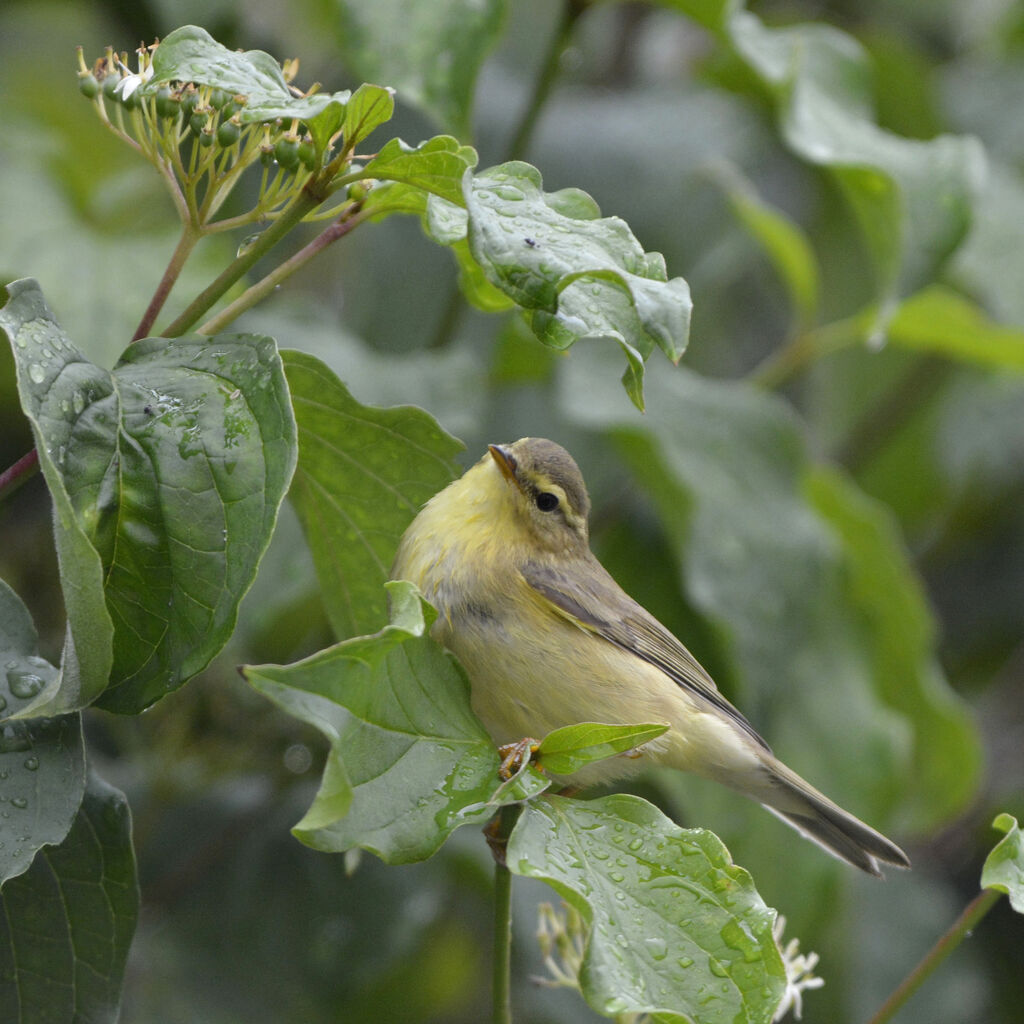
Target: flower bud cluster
195 131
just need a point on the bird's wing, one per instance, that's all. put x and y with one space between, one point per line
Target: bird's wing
585 597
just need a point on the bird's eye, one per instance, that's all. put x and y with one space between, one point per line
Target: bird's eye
546 501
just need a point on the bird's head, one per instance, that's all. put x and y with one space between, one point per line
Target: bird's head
544 491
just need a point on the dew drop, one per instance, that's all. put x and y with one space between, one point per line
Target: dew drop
658 948
24 684
717 968
37 373
78 401
32 763
20 802
685 961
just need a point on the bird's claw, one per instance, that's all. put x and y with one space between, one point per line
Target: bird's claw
515 755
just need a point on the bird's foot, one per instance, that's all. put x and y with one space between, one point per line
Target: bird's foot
515 755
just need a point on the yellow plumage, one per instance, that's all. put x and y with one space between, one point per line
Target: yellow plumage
548 639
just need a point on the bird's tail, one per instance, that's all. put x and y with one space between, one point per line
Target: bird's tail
817 818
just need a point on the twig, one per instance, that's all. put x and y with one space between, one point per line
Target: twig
961 927
546 79
347 222
15 475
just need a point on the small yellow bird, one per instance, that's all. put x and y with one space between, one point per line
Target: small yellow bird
549 639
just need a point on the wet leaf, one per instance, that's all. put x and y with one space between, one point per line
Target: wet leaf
579 275
191 54
167 474
676 929
68 921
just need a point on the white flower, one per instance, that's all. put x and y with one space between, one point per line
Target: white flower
799 976
133 79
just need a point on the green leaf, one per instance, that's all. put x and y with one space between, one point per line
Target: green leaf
914 200
362 476
437 165
369 108
42 761
943 322
572 747
191 54
580 275
172 468
68 921
36 338
889 599
783 241
1004 866
408 763
430 53
676 928
42 779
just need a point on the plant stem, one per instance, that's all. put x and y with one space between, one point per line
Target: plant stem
497 833
961 927
15 475
793 357
546 79
502 944
307 200
189 237
341 227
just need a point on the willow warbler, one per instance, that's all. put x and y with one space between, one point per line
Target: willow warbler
549 639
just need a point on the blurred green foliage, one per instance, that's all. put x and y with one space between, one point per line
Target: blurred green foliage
846 556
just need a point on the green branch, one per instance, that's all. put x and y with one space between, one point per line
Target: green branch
964 924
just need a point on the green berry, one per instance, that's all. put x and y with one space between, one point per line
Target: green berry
197 122
167 104
227 133
286 152
88 86
110 84
307 154
189 101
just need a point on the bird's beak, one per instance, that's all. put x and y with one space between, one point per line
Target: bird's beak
506 462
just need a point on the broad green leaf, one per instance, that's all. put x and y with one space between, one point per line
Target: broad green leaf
369 108
68 921
408 763
572 747
37 339
940 321
578 274
437 165
1004 866
362 476
676 929
173 467
783 242
886 595
191 54
914 199
431 53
